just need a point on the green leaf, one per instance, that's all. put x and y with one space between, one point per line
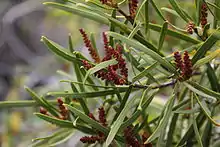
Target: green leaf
55 121
41 102
86 94
195 127
64 123
137 113
60 137
71 49
116 125
141 47
163 35
171 11
213 79
207 45
175 34
207 58
87 119
163 122
178 9
144 72
206 110
157 10
79 11
58 50
99 67
22 103
200 90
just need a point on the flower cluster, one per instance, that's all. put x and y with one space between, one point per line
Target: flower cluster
63 111
133 5
204 14
190 27
100 137
117 73
184 65
88 44
132 141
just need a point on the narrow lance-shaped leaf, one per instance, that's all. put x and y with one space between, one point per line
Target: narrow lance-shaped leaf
177 8
171 11
61 137
164 120
163 35
207 58
86 94
64 123
22 103
87 119
141 109
200 90
157 10
207 45
206 111
173 33
116 125
41 102
99 67
195 127
141 47
144 72
58 50
79 11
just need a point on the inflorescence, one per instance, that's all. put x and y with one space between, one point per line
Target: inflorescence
204 14
117 73
63 112
100 137
184 65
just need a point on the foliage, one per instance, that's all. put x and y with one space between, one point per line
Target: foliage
139 66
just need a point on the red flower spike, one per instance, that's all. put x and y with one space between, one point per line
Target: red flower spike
178 60
130 139
187 68
60 101
133 5
190 27
92 116
88 44
63 110
102 118
111 74
86 64
204 14
89 140
43 111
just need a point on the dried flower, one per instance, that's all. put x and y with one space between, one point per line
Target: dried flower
88 44
133 5
204 14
